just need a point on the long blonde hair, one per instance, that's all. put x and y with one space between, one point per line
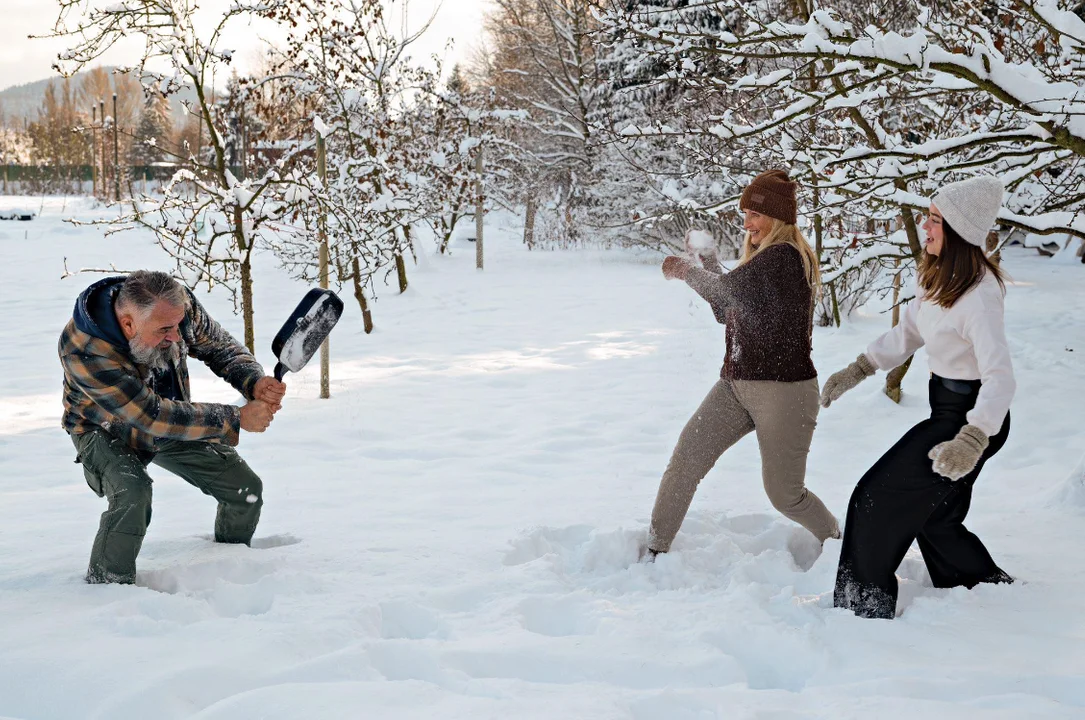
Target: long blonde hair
783 232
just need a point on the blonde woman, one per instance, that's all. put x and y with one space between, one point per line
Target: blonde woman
768 384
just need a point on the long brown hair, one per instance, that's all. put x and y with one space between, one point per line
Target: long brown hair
783 232
956 270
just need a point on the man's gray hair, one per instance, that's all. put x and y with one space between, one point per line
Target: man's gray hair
142 289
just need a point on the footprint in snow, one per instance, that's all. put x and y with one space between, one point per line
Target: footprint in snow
559 616
232 587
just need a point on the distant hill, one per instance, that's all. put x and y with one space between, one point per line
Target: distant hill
20 103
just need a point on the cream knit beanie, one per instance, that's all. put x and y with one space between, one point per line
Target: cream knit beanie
971 206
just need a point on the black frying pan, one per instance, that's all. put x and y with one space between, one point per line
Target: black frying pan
305 330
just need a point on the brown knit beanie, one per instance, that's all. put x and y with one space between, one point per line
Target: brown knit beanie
771 193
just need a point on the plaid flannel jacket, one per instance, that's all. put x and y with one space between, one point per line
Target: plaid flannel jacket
104 388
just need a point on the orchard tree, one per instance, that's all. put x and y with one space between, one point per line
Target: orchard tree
209 221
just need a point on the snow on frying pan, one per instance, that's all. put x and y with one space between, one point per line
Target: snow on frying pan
308 327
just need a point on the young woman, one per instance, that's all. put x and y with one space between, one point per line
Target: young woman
921 488
768 384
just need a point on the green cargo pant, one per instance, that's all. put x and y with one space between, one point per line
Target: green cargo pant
119 473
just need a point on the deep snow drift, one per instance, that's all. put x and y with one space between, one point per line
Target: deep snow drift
454 534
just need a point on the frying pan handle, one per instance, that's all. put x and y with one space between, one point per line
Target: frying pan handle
280 371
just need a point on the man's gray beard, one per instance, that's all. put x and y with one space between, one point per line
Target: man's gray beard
153 357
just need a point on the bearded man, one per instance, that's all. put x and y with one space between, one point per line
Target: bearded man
127 404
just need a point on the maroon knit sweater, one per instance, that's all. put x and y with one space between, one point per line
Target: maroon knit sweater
766 306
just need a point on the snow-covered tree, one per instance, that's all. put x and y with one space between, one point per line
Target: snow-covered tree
278 112
708 168
542 60
399 146
871 107
16 147
455 120
664 182
459 123
364 80
879 110
209 221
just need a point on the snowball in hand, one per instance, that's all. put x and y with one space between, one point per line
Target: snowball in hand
700 241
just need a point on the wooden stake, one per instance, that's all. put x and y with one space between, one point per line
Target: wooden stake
94 151
325 347
479 208
116 154
102 192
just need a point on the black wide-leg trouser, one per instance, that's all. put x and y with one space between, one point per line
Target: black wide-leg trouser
901 499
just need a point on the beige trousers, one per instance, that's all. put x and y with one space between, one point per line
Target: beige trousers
783 415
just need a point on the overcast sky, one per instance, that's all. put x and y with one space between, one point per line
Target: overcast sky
23 60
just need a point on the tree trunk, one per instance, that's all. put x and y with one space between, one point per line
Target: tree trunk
480 207
410 243
446 238
894 378
835 304
246 304
359 295
325 347
896 375
992 243
896 294
529 221
246 279
401 272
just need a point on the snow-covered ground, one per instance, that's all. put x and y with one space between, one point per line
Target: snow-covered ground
454 534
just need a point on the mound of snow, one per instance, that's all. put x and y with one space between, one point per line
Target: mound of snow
1072 491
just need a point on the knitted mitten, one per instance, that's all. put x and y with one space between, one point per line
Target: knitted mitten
675 268
844 380
957 457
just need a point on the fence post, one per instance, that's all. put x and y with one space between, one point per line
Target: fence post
325 347
102 193
94 151
116 154
479 206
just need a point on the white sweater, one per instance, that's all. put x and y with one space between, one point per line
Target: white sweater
964 342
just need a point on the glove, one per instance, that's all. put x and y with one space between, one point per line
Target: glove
957 457
675 268
840 382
